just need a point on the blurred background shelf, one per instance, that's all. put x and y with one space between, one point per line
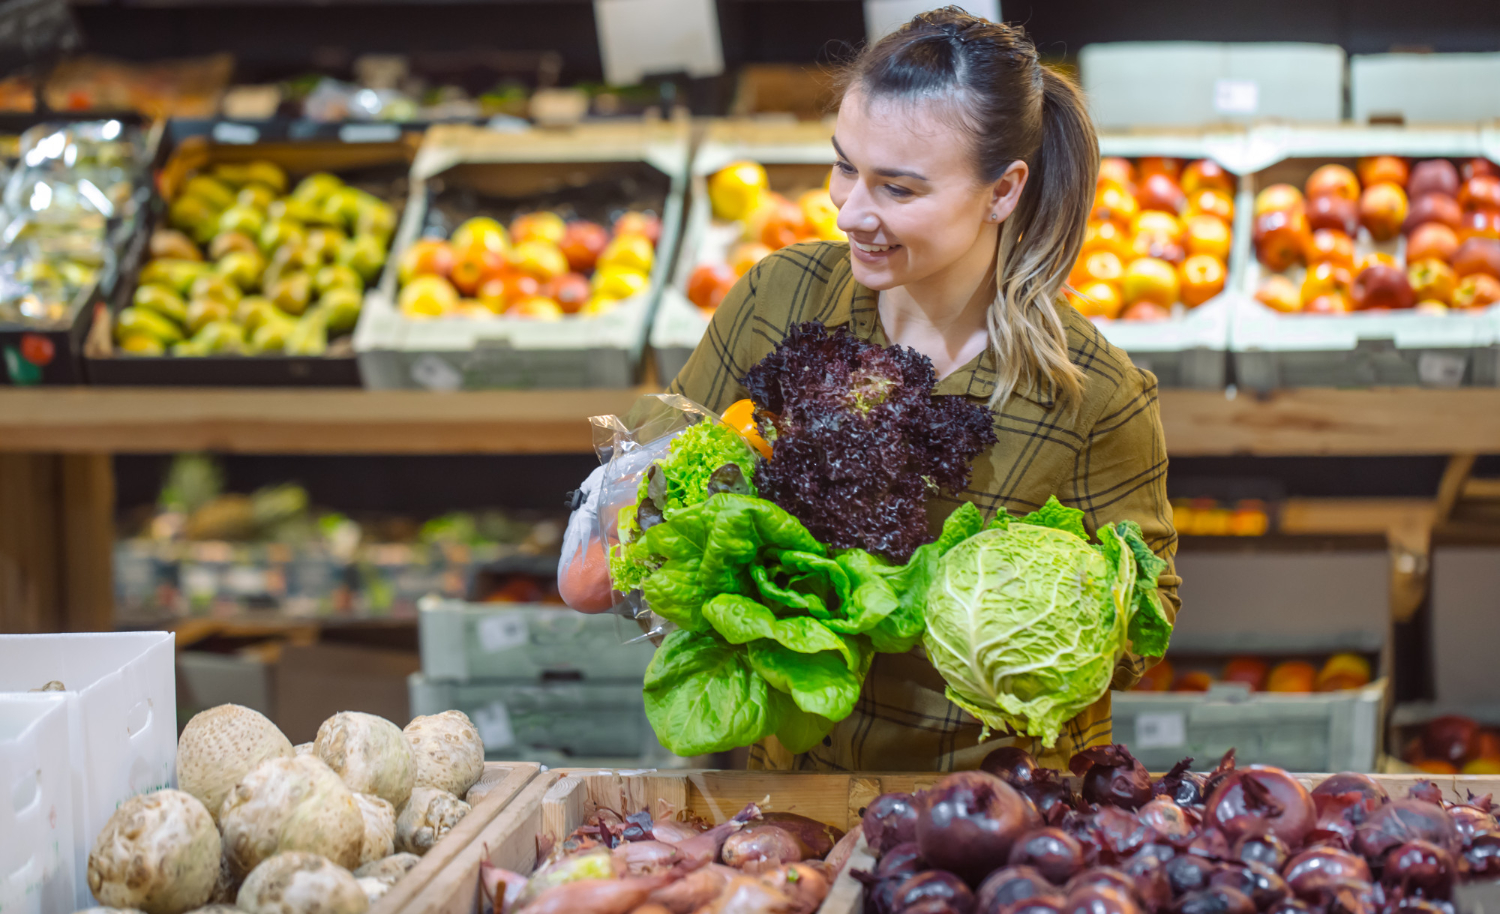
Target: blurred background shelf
1310 422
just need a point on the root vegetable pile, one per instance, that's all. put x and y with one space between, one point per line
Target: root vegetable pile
260 826
1015 838
755 863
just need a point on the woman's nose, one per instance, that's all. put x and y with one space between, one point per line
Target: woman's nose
856 215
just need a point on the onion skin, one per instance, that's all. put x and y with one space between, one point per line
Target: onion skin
968 821
1234 806
889 820
1471 821
760 848
816 838
1112 777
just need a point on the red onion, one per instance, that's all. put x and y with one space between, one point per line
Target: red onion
1420 868
1172 823
1148 870
1353 782
1427 792
1471 821
1181 785
1051 795
899 862
1053 852
1481 859
1289 906
1011 764
1112 777
1098 899
1189 873
968 821
934 885
1258 882
1267 849
889 820
1313 872
1100 876
1261 792
1036 906
1121 832
1210 843
1214 900
1013 885
1400 821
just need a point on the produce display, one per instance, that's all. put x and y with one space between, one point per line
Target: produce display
265 827
245 267
1158 239
71 187
757 861
1260 674
750 220
1015 837
1454 744
1385 235
1209 517
544 267
788 543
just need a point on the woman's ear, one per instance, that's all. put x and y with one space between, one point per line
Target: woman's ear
1006 192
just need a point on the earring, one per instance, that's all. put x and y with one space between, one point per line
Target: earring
994 217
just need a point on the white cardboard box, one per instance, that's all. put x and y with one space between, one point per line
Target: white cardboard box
122 718
37 866
1425 88
1190 83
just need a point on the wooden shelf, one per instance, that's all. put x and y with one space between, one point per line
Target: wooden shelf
1312 422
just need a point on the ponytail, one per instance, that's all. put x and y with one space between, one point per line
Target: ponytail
1038 245
1015 109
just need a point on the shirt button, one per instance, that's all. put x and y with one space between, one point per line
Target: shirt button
828 741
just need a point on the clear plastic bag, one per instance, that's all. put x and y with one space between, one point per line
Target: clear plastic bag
627 446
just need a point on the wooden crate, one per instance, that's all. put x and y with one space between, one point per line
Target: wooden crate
498 785
556 802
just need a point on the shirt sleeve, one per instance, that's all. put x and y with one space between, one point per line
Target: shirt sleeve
712 374
1121 474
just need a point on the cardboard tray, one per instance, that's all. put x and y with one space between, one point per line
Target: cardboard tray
67 343
190 146
796 156
1272 350
556 802
36 825
506 172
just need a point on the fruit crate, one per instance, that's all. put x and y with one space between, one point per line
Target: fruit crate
468 171
467 641
1409 725
1191 349
1360 349
558 801
53 354
796 157
548 720
379 165
36 823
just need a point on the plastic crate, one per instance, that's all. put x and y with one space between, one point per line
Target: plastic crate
506 352
37 872
1273 350
466 641
552 721
122 718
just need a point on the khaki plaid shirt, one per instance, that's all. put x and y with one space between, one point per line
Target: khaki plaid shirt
1107 459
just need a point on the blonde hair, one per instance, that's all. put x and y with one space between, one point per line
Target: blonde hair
1015 109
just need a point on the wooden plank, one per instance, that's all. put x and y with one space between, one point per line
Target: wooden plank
290 421
87 541
30 571
848 894
504 781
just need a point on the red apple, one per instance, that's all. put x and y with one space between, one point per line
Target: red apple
1146 311
1159 165
1161 192
1481 223
1433 208
1382 169
638 223
1330 212
1431 280
1332 180
1206 174
1480 192
1475 167
1329 246
1434 176
571 291
1431 240
1278 197
1477 290
1382 287
1382 209
1280 238
1330 303
709 283
1117 170
582 243
1477 255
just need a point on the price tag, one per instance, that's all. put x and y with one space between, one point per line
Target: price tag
1160 731
434 373
1236 96
245 580
493 723
1441 369
238 134
501 633
369 133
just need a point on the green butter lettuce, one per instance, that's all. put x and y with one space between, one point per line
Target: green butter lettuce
1026 620
775 632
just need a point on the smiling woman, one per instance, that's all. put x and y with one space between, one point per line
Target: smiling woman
964 175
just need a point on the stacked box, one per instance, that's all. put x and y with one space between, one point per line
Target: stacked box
542 683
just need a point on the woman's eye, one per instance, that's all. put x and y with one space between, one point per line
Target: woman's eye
844 168
896 190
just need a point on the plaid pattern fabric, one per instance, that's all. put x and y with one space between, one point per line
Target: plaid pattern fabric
1106 458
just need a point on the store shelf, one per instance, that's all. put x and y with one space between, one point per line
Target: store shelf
1198 423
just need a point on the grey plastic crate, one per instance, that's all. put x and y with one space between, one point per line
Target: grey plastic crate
1334 731
467 641
519 720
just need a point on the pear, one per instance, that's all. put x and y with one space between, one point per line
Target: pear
228 242
291 292
216 285
178 275
377 219
271 336
221 337
341 307
139 321
205 311
315 188
242 268
256 196
216 193
161 299
253 310
245 219
234 174
267 173
278 232
174 244
337 276
365 254
141 344
309 336
193 215
323 243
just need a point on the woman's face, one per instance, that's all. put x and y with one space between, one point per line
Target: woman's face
908 194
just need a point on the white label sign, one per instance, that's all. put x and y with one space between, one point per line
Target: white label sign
493 723
1441 369
369 133
1236 96
501 633
239 134
641 37
1160 731
434 373
885 16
